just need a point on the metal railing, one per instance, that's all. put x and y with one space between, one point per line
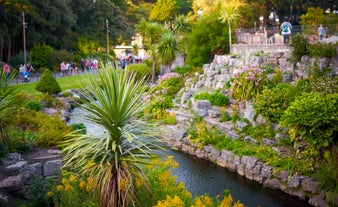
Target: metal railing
272 35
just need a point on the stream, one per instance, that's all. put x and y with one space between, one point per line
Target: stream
203 177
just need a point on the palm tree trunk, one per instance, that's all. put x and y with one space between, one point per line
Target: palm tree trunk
229 36
153 75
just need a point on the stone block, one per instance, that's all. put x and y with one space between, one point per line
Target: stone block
50 168
283 176
16 168
294 181
249 162
318 200
309 185
241 169
200 153
272 183
37 167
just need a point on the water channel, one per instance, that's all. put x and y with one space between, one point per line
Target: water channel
203 177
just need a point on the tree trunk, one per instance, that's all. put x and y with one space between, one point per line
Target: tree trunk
153 75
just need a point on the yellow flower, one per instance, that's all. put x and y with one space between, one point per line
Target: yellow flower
59 188
82 184
180 185
68 187
227 201
139 182
72 178
64 180
49 194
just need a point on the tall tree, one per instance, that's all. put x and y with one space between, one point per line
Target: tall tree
229 14
113 159
164 10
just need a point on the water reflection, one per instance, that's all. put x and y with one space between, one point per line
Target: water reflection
202 177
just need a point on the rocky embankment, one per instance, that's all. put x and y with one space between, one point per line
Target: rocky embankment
216 74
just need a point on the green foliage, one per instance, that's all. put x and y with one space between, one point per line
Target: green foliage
260 131
48 84
319 49
217 98
313 119
272 103
182 70
214 36
313 17
140 70
79 127
37 193
42 129
103 57
323 85
300 47
84 46
171 83
277 77
327 173
57 57
247 83
34 105
20 141
164 10
224 117
42 55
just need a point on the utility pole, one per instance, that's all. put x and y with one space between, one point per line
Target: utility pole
24 26
107 26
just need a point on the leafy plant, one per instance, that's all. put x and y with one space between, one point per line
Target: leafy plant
272 103
319 49
217 98
79 127
48 84
313 119
300 47
34 105
247 83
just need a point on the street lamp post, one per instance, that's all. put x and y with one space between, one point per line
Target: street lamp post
261 19
107 27
277 24
24 26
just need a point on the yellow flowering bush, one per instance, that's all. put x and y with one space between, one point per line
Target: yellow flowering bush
73 190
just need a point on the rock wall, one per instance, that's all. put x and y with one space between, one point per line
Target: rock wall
215 75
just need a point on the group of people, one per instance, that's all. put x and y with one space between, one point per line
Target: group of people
25 71
68 68
89 65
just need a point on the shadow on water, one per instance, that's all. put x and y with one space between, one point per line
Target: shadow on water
202 177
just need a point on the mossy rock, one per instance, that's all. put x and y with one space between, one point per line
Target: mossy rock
48 84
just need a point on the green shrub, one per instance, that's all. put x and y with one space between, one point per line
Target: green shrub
182 70
300 47
57 57
42 55
49 130
272 103
48 84
79 127
34 105
217 98
20 141
37 192
312 119
319 49
140 70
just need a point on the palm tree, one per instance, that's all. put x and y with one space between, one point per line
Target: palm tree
167 48
229 15
113 159
151 32
7 91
